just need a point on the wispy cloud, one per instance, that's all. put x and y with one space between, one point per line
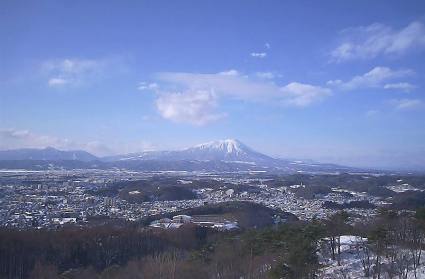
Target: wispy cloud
194 98
147 86
231 72
378 39
15 138
57 82
372 112
12 138
73 72
377 77
403 86
265 75
261 54
406 104
258 54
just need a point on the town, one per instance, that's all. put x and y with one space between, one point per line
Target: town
51 199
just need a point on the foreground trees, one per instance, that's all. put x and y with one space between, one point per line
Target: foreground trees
389 246
22 252
336 226
189 252
395 241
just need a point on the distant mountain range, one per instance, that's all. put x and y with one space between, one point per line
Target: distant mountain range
221 155
48 154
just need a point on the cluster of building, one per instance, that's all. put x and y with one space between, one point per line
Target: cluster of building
218 222
55 198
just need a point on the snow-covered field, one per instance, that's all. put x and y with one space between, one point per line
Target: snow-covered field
403 188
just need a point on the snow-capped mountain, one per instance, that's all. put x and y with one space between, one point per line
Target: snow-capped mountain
220 150
225 150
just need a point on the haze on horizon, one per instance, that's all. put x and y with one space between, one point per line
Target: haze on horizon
331 81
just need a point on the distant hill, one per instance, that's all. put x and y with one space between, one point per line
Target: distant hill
46 154
138 191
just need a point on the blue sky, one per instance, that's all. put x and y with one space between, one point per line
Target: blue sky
333 81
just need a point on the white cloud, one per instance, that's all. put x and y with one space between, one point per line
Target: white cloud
301 95
267 45
265 75
94 147
147 86
403 86
240 87
233 85
199 94
57 82
194 107
372 112
258 54
14 138
378 39
406 104
232 72
374 78
72 72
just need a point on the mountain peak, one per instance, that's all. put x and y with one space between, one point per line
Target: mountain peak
220 150
225 150
226 145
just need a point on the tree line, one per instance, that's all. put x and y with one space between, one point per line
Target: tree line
390 246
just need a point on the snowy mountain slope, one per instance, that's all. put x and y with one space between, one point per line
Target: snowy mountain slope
224 150
220 150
